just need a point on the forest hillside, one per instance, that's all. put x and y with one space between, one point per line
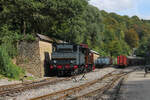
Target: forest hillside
74 21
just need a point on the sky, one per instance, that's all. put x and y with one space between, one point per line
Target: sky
140 8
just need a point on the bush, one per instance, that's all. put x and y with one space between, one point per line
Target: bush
29 38
7 68
10 49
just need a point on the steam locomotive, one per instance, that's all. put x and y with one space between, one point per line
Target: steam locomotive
71 59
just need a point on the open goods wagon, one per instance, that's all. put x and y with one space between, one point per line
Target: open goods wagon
103 61
71 59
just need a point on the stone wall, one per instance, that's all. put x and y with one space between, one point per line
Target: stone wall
35 57
45 56
29 57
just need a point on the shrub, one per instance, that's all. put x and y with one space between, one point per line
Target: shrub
7 68
29 38
10 49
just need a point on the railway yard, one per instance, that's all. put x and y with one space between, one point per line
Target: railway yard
74 50
107 83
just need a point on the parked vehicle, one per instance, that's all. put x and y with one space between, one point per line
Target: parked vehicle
103 61
114 61
124 61
71 59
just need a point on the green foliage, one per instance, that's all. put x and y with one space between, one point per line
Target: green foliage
144 47
29 38
132 38
73 21
8 50
7 68
8 40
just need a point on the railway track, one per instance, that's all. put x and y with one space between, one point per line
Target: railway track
11 86
99 90
81 91
9 90
13 89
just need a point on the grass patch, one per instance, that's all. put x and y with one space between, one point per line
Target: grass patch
30 78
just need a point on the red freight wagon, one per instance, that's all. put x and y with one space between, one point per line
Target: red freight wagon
122 61
130 61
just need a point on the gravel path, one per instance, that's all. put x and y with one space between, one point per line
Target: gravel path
62 85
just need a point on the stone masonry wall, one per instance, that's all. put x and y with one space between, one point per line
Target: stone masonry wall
29 57
45 56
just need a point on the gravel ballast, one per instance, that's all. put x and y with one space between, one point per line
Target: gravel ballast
63 85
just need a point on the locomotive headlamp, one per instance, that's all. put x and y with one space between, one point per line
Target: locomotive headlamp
55 61
72 61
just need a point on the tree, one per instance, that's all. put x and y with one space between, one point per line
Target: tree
132 38
114 48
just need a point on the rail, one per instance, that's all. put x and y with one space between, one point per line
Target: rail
70 91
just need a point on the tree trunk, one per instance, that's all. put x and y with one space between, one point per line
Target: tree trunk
24 27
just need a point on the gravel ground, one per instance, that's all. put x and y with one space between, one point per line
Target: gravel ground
136 87
92 88
62 85
7 82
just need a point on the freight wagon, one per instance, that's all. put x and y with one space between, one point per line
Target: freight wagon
123 61
71 59
103 61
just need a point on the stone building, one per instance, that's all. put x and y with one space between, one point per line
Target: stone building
95 55
35 56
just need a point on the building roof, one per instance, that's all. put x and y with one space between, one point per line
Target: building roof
44 38
94 52
47 39
134 57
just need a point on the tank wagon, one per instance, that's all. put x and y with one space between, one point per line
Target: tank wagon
71 59
103 61
123 61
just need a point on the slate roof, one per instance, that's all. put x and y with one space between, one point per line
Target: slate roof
44 38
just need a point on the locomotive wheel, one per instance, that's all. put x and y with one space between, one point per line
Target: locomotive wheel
74 72
69 73
60 73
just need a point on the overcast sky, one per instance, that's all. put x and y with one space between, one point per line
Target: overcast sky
140 8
